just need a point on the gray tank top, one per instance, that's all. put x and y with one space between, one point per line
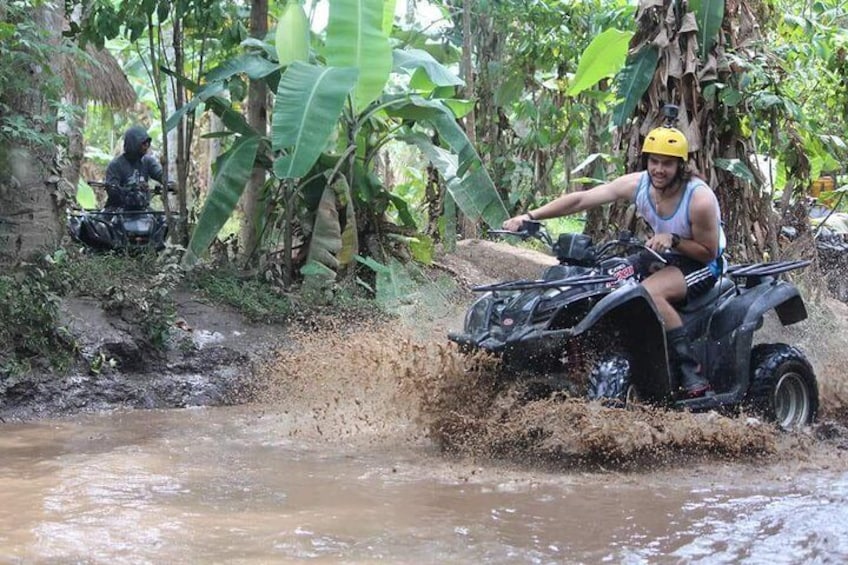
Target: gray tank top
678 222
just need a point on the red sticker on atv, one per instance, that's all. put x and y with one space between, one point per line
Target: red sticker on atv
621 273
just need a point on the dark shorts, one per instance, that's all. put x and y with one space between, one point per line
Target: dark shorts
699 277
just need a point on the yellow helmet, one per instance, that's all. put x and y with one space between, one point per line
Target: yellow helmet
666 141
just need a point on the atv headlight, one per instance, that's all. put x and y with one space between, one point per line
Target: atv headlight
477 318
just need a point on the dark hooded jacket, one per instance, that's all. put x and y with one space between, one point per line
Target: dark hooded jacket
122 169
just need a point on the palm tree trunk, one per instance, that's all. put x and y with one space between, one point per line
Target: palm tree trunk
31 191
257 117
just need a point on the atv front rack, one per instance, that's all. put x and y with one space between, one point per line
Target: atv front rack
765 269
585 280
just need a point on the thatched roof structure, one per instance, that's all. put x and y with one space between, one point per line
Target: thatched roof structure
94 74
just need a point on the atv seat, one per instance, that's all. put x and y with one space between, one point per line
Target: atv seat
720 287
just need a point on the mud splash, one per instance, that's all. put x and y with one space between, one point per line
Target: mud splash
823 337
384 385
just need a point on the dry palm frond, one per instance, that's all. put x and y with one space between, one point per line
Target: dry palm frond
94 74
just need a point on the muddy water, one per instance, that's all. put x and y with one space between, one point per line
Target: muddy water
377 446
232 485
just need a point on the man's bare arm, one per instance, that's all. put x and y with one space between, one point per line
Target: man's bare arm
703 246
623 187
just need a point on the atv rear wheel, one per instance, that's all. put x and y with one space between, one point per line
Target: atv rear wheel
783 385
610 379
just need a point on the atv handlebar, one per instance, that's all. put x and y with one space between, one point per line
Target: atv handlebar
626 240
170 186
529 228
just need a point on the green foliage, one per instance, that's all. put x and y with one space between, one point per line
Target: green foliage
257 300
633 81
603 58
456 159
798 89
307 110
232 174
331 119
709 15
29 324
85 195
292 35
355 39
408 292
568 224
395 285
24 51
530 130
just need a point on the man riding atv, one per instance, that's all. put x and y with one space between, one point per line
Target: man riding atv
684 215
126 223
133 166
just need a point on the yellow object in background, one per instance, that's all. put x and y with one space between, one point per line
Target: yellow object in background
822 184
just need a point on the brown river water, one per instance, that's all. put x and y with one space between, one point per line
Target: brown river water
384 447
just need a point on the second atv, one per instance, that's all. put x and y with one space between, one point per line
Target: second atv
587 328
131 227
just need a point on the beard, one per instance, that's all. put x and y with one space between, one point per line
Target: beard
662 183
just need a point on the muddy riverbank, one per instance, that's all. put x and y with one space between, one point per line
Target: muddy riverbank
341 378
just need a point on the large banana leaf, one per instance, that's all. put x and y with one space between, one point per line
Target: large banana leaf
388 16
234 168
252 64
709 14
467 179
408 60
604 57
632 82
292 35
309 102
465 188
355 38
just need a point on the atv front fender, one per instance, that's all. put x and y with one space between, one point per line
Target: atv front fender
631 314
632 299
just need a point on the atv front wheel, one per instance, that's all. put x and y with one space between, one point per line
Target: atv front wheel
610 379
783 385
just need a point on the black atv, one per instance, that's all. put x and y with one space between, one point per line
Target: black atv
131 226
588 328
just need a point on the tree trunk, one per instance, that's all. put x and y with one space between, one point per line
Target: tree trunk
184 132
469 228
31 192
257 117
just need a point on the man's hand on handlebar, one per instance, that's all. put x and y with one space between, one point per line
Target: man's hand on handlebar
516 223
660 243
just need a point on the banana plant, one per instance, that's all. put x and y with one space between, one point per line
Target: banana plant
331 116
